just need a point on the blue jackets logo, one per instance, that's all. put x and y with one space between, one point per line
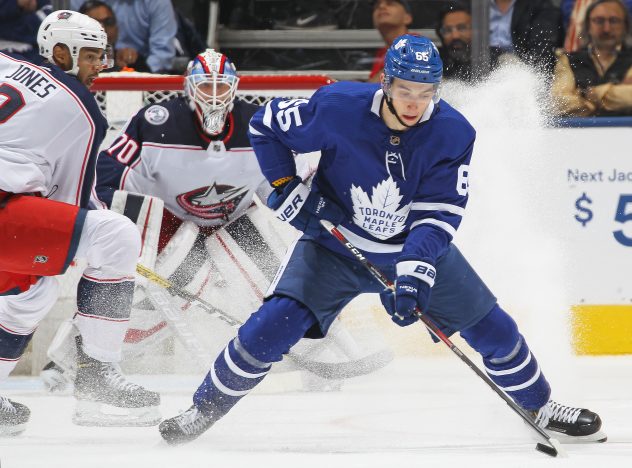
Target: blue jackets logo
380 214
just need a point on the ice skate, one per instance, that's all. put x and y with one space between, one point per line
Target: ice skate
105 398
570 425
13 417
55 379
187 426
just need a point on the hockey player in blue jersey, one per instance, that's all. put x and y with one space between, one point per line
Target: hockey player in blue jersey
393 177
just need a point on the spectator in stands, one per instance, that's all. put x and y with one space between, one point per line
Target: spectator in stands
454 28
147 29
573 13
103 13
597 79
392 19
19 22
530 29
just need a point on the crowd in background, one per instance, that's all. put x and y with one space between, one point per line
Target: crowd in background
580 45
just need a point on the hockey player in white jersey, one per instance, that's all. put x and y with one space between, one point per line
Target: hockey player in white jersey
50 132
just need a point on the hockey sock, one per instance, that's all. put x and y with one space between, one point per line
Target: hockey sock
104 307
268 334
508 360
12 346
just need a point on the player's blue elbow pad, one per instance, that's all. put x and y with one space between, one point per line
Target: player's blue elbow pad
294 203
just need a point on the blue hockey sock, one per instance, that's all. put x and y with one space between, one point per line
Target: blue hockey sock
104 299
268 334
508 360
12 345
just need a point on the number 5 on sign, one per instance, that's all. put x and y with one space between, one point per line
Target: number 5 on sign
622 217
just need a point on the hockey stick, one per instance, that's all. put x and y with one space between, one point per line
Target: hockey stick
554 448
326 370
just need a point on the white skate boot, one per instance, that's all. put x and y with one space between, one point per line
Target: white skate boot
105 398
13 417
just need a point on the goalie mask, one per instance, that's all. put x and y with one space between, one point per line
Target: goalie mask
210 86
75 31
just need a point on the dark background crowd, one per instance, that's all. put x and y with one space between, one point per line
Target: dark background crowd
580 46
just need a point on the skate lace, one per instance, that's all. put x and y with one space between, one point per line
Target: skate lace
192 420
117 380
566 414
6 405
557 412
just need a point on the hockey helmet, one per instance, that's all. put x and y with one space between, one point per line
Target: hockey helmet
413 58
74 30
210 86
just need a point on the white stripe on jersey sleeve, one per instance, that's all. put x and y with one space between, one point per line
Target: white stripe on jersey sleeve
442 224
457 210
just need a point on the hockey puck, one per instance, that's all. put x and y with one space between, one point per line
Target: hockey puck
552 452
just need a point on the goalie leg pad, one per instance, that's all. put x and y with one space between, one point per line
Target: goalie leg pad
508 360
146 212
268 334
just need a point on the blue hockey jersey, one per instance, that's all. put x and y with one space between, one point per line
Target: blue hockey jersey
402 191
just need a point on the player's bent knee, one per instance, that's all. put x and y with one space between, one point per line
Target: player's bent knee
277 326
494 336
116 238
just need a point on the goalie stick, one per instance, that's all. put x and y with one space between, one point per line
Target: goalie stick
326 370
553 448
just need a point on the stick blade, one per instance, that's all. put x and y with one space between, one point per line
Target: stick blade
553 450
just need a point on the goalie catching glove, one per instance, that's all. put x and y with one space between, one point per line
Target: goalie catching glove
415 277
294 203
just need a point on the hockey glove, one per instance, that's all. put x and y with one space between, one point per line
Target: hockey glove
294 203
412 289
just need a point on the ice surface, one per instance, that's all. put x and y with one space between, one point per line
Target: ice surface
417 412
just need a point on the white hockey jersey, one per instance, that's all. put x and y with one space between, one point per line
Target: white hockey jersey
163 152
50 131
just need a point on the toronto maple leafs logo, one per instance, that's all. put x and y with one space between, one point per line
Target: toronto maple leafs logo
380 215
212 202
401 43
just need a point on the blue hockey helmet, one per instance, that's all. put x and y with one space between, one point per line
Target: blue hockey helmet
413 58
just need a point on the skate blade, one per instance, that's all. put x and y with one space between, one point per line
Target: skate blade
564 439
91 413
12 431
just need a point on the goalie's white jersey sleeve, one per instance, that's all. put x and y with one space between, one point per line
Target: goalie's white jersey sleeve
50 131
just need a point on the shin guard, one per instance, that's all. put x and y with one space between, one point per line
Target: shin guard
268 334
508 360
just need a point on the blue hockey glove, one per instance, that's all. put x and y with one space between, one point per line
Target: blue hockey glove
412 289
294 203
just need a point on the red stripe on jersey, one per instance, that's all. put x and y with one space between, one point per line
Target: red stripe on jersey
231 127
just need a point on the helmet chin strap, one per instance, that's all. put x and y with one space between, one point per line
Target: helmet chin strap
391 108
